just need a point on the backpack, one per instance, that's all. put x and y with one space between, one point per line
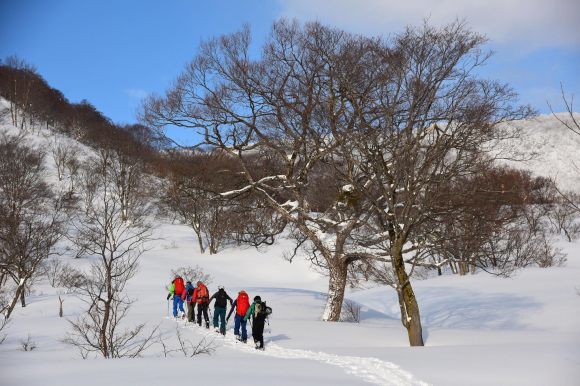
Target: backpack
202 294
190 290
242 303
262 310
179 286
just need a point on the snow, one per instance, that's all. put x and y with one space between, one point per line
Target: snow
549 150
479 329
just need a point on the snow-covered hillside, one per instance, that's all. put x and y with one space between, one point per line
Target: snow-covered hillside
548 149
479 329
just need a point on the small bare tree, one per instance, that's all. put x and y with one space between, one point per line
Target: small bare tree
62 154
115 237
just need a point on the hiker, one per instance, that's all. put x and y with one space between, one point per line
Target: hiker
176 289
190 297
202 299
241 305
258 311
221 297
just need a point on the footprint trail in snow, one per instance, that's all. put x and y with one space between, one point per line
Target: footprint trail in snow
372 370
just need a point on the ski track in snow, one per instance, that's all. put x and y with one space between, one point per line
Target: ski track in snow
371 370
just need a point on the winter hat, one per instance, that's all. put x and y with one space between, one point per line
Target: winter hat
257 299
220 287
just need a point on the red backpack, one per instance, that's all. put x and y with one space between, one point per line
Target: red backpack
202 294
179 286
243 303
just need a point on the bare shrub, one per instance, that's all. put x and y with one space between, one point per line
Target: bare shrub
28 344
193 274
563 218
186 347
52 269
189 349
62 274
350 312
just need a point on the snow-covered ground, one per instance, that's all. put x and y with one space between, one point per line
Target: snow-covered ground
479 329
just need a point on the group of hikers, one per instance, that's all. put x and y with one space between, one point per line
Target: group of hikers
257 312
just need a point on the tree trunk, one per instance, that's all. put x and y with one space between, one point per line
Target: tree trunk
22 299
410 316
200 241
336 287
60 308
17 295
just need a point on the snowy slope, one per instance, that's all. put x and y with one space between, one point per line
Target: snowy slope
548 149
479 330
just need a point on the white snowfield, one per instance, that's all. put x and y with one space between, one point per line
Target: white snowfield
478 329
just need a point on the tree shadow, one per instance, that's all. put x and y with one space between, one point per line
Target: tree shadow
446 307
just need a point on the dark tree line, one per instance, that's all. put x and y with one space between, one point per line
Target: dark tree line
34 103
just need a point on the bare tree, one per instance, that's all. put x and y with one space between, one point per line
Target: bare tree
116 238
130 182
282 110
64 155
426 126
32 217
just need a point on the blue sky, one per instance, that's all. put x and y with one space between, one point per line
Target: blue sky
114 52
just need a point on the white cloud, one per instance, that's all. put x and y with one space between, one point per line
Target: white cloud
527 24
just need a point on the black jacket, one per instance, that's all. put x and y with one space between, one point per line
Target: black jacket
221 298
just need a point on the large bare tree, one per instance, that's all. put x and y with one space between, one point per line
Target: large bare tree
282 109
426 126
